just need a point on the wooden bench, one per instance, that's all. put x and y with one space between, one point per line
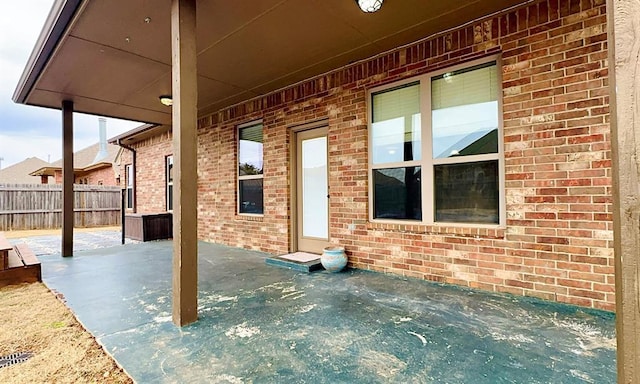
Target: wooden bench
22 266
5 247
29 259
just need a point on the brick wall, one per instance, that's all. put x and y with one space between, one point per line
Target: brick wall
101 176
557 243
150 193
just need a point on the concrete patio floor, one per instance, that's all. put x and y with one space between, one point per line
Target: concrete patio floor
49 242
263 324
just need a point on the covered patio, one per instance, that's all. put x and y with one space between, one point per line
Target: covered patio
117 58
259 323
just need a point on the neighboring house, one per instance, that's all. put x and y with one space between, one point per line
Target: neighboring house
94 165
20 173
478 157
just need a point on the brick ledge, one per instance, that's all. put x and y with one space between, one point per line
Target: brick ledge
240 217
449 229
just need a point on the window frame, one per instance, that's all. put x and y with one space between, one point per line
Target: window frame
168 183
129 174
248 177
427 162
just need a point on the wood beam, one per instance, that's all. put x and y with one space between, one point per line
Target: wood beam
185 116
624 79
67 178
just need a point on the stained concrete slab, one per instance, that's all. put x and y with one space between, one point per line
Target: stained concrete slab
270 325
82 240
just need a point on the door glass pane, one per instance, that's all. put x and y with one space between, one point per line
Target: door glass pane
465 112
397 193
467 193
395 128
315 205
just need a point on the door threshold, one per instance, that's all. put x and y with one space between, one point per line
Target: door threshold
297 261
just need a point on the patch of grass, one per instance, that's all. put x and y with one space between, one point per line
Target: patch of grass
58 324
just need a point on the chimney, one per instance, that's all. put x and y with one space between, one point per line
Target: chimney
102 150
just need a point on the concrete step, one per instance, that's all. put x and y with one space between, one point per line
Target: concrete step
298 261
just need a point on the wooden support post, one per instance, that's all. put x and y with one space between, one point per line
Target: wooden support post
67 178
624 79
185 116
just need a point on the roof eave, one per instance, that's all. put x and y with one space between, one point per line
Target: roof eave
92 167
57 23
44 171
132 134
51 171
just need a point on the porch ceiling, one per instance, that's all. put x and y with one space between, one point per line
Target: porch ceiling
111 62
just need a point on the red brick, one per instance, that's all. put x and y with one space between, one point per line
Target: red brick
557 161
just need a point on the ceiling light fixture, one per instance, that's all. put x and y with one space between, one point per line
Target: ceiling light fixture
166 100
369 6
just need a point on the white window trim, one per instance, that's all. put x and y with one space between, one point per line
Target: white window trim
167 182
248 177
427 162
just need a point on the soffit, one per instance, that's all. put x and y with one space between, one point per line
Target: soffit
113 63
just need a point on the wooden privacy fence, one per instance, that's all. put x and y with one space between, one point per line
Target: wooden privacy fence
39 206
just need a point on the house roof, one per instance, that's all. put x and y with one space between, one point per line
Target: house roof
82 160
139 133
19 173
113 58
84 157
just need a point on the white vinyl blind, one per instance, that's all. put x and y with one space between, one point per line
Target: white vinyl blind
472 86
399 102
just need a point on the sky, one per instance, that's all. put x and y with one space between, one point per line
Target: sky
27 131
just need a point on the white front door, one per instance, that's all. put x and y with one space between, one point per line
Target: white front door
312 190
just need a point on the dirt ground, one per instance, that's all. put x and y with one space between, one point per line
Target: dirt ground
33 320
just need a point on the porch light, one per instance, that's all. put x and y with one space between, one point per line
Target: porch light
166 100
369 6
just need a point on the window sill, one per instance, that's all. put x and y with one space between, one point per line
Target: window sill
492 231
249 217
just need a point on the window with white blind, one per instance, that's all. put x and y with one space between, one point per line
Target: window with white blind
250 163
436 148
